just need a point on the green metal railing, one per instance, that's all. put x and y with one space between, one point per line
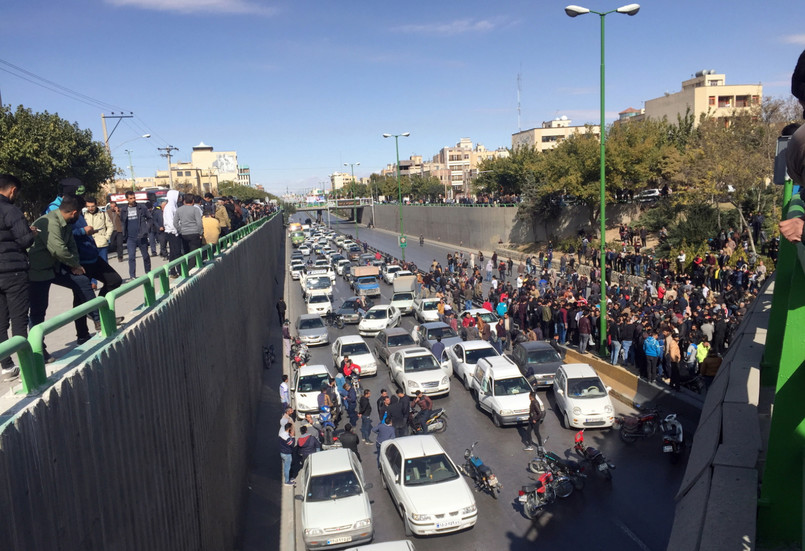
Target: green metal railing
31 351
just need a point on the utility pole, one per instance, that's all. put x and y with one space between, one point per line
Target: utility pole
119 117
131 171
167 154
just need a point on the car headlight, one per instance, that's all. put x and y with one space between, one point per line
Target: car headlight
313 532
608 409
413 384
467 510
420 517
445 380
506 412
373 365
363 523
576 410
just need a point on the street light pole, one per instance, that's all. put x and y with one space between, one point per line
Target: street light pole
354 205
573 11
131 171
403 243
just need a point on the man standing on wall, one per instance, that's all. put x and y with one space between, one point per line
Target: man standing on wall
136 222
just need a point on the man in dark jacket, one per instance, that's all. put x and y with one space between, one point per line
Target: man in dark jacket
365 414
15 238
157 233
399 411
306 445
350 440
136 222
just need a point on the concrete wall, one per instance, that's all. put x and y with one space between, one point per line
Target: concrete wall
146 445
485 227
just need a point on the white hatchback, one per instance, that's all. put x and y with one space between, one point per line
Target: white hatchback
357 350
378 318
582 397
319 304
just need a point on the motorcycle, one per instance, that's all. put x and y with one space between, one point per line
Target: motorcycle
643 425
673 439
298 348
332 319
327 429
536 496
436 422
549 461
480 473
594 457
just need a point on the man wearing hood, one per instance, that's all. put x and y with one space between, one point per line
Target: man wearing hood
136 224
174 241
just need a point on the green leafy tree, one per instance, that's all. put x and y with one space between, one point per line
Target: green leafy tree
244 193
506 175
42 148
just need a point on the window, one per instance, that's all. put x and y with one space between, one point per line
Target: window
741 101
393 457
725 101
711 100
429 470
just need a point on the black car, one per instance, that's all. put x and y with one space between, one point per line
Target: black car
350 310
538 361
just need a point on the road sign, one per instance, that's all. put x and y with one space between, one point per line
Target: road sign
403 242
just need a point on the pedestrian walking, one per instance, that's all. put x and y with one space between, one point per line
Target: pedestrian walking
350 440
136 222
286 448
285 392
384 432
365 415
116 238
281 309
536 415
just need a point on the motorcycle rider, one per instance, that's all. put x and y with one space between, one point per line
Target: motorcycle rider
425 407
535 417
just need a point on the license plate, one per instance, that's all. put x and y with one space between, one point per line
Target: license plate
447 524
522 417
593 420
343 539
603 467
523 498
667 449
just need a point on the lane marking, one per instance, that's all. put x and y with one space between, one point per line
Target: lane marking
632 536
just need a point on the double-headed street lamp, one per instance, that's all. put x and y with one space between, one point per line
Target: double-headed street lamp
403 243
573 11
354 208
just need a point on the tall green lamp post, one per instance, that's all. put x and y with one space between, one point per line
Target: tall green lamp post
573 11
403 242
354 207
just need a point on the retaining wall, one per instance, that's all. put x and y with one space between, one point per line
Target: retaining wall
146 445
485 227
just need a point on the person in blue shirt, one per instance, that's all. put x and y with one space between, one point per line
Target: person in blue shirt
653 350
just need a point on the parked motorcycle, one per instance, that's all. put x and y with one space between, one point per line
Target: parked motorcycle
333 319
536 496
548 461
480 473
593 456
327 429
673 438
642 425
436 422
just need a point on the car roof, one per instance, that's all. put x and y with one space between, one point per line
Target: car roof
535 345
499 362
433 324
504 369
308 316
313 369
575 371
415 351
379 306
391 331
418 446
329 461
475 344
350 339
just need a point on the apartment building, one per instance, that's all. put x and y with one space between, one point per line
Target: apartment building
224 164
551 134
707 93
340 180
188 178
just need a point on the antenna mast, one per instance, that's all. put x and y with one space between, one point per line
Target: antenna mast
519 128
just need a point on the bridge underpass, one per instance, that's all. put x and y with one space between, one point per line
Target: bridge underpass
143 441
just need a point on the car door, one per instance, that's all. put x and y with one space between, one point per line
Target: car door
446 363
394 315
392 471
395 368
485 397
295 389
560 392
380 345
454 353
336 352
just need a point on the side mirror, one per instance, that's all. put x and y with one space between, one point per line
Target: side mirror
293 389
368 486
299 497
559 391
609 389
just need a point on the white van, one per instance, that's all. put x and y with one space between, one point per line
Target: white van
500 389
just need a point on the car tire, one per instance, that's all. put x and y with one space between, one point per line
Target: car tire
566 421
383 480
466 383
406 526
496 420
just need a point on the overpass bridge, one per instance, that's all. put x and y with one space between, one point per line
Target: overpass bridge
334 204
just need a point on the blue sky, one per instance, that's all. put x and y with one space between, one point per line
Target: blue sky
299 88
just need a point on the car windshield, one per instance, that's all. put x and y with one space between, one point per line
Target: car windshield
403 339
311 323
543 356
368 280
378 314
586 387
312 383
392 269
431 469
443 332
512 386
318 299
421 363
488 317
403 296
354 348
472 356
333 486
350 303
433 305
318 283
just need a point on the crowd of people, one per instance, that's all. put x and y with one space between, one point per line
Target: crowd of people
69 244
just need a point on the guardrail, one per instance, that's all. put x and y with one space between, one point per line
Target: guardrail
31 351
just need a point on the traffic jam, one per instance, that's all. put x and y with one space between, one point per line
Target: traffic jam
363 326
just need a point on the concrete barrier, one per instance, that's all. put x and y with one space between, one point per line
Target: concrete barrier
146 444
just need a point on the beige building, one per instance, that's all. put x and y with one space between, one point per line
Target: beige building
188 178
707 93
340 180
223 164
551 134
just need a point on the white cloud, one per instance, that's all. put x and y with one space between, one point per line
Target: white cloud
459 26
794 39
237 7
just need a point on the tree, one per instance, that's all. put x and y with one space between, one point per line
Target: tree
42 148
244 193
507 175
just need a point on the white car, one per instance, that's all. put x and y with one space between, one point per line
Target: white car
323 264
304 248
319 303
342 267
489 317
389 272
582 397
464 355
403 301
415 369
357 350
296 269
335 505
502 391
306 386
426 309
378 318
426 486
